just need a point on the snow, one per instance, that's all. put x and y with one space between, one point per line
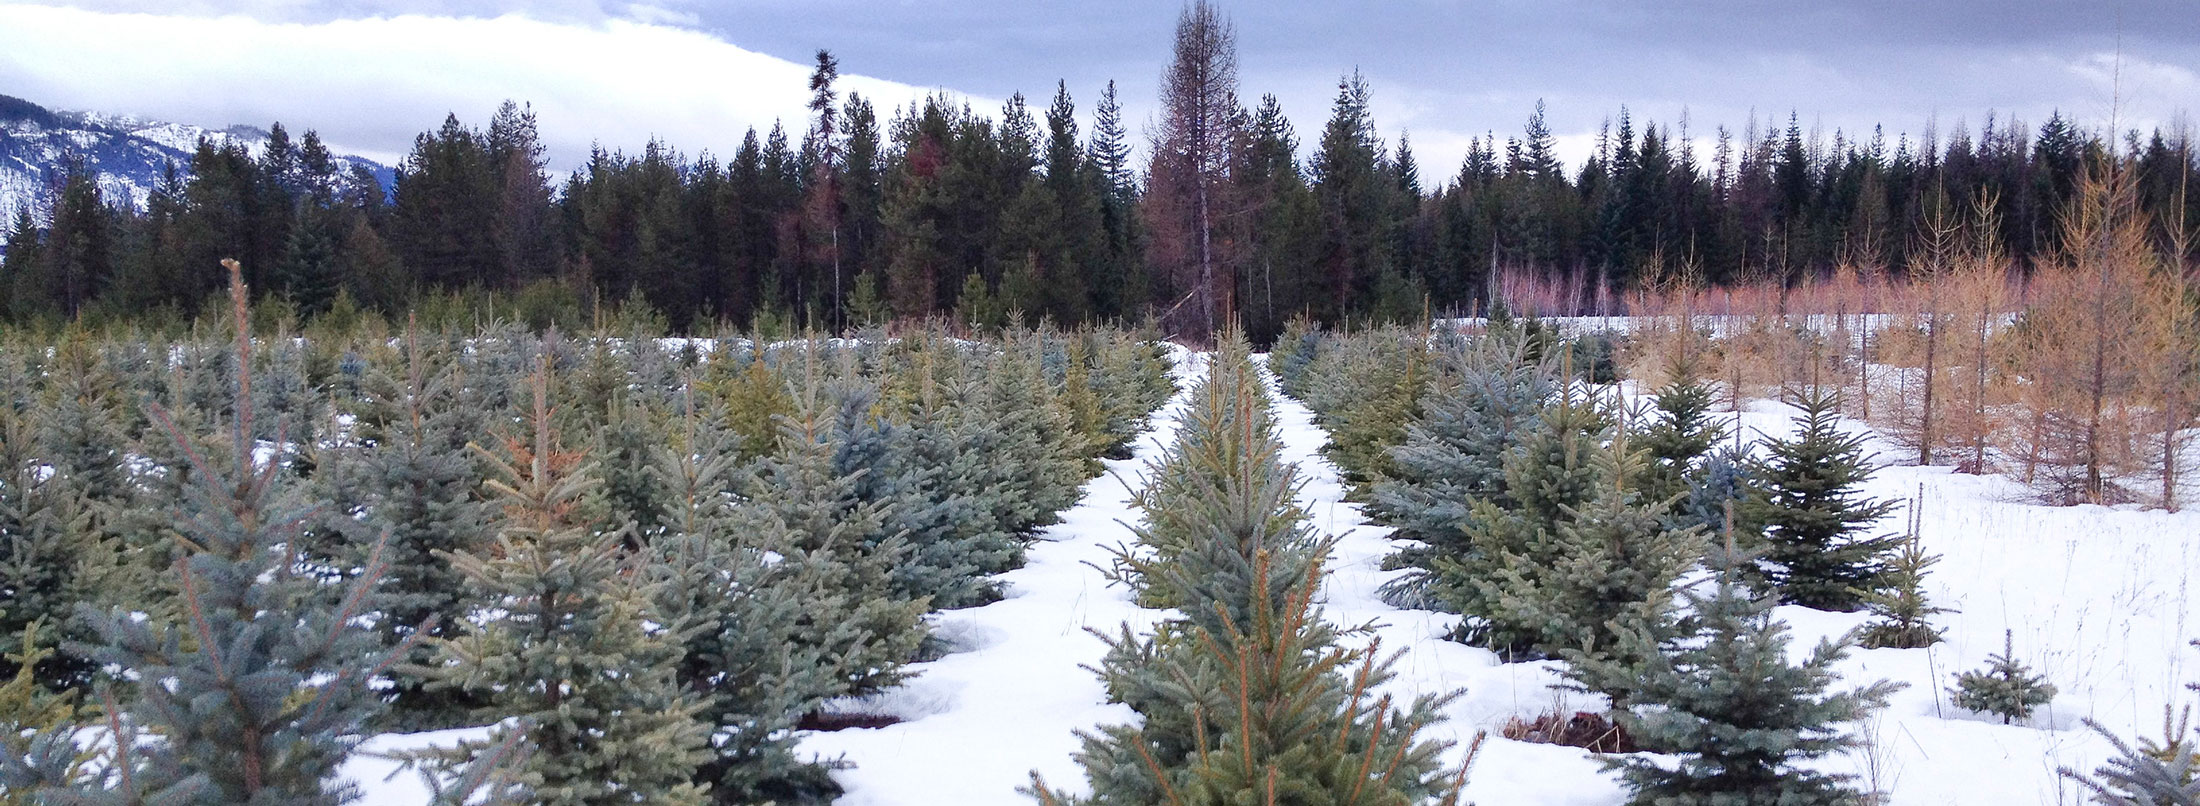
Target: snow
981 720
382 775
2098 599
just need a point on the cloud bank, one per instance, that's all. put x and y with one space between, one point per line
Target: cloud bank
371 84
371 74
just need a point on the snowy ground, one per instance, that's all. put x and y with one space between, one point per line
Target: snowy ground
2098 600
982 719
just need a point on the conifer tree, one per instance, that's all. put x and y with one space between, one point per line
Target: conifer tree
48 560
2164 773
1483 402
2006 688
755 396
1613 564
1375 401
827 521
1551 472
1120 287
413 480
1248 698
1901 606
260 689
1725 481
1683 432
1809 511
1189 178
626 443
570 651
35 726
2151 774
743 620
1738 713
933 474
81 431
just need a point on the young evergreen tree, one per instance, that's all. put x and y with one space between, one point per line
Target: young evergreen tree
743 620
1484 401
1901 606
1248 698
413 480
1809 511
48 561
261 687
1550 474
1682 433
626 443
1740 715
570 650
1375 400
1726 480
2005 688
35 727
1613 564
827 522
2164 773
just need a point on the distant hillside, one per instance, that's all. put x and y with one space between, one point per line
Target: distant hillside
128 153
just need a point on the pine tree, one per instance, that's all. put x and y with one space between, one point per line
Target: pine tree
1738 713
870 631
1612 568
1722 485
1484 401
570 651
933 472
2005 688
1120 286
1682 434
307 274
412 479
755 396
1901 606
743 619
2164 773
1380 398
1809 511
625 448
1551 472
1348 183
48 560
35 727
1248 698
262 687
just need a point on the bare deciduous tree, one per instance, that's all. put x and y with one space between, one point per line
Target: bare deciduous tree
1200 117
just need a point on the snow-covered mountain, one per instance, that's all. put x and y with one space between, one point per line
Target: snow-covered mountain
128 154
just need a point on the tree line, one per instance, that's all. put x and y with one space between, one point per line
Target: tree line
939 209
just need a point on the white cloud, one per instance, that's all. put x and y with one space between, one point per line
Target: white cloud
372 84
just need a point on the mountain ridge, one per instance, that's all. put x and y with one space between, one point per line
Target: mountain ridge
129 154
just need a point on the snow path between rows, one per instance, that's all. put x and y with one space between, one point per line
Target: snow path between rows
1505 772
1010 701
2099 599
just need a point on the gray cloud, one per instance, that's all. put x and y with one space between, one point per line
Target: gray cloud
1445 69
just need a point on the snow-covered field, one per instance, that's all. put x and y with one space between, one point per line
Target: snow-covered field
2097 598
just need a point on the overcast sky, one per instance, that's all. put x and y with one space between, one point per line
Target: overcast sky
371 75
